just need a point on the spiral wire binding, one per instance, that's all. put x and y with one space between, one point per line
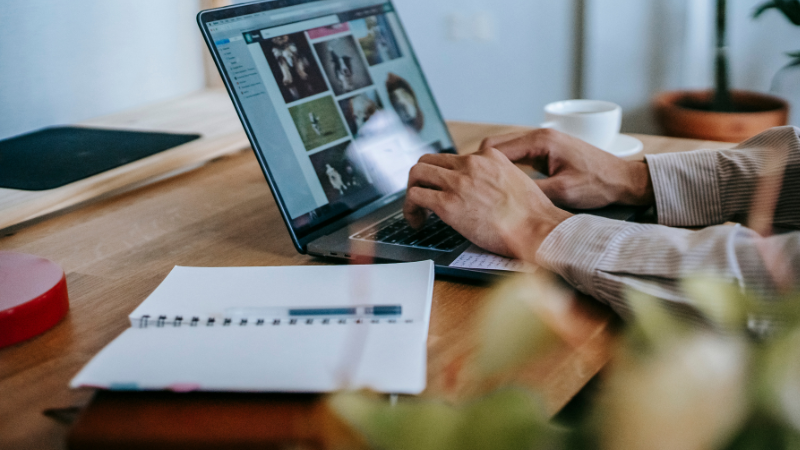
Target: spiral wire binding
163 321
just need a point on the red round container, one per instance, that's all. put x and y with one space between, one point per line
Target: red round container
33 296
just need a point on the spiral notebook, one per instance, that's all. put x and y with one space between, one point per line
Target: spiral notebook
275 329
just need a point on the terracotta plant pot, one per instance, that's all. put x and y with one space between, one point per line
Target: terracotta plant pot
680 114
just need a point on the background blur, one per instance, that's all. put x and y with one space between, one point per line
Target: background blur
487 60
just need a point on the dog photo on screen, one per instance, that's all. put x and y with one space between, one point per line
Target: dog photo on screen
359 108
343 64
318 122
293 66
342 176
376 39
404 101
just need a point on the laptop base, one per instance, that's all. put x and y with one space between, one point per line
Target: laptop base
340 246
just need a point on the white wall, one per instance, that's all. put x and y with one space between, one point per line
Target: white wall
527 63
637 48
65 61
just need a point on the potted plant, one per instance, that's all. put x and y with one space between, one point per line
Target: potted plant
786 82
721 114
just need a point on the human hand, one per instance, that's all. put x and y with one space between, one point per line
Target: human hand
486 198
581 176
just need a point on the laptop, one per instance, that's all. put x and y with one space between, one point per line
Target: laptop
337 110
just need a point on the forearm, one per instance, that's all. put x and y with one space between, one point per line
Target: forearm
604 258
637 189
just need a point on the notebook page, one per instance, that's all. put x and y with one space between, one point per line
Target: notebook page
312 355
208 292
387 358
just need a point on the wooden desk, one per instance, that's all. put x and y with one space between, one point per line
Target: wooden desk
116 251
207 113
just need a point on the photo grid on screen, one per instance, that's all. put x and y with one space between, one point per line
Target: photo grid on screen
324 77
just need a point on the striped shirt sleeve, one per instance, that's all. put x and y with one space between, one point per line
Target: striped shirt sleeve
603 258
709 187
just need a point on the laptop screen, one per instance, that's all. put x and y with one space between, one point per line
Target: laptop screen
334 100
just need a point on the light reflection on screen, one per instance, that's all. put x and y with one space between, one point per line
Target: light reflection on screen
372 166
388 150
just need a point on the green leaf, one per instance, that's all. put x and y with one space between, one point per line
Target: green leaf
652 326
782 314
510 418
762 8
721 301
512 327
793 63
789 8
688 393
762 431
409 424
778 381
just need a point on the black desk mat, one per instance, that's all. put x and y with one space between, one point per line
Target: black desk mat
53 157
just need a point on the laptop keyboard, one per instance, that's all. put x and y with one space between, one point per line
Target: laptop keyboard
434 235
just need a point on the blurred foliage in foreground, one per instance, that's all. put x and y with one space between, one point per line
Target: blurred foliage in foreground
713 384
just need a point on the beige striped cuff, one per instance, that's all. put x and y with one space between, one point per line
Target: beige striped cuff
576 247
686 188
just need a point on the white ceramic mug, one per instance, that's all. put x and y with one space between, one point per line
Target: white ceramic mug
594 121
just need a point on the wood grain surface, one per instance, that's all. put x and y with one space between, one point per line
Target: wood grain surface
117 250
208 113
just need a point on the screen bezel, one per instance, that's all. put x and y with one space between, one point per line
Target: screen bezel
300 241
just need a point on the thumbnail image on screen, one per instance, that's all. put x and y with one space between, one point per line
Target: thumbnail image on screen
342 175
318 122
376 39
294 67
343 64
359 108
